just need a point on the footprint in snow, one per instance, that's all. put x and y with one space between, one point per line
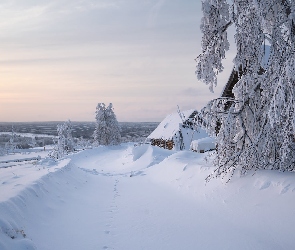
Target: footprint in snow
285 189
263 184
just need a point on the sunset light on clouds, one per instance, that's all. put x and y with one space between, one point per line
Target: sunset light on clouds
59 58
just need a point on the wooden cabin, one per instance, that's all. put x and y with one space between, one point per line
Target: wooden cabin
167 144
174 132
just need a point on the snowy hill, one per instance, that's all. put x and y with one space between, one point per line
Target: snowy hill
143 197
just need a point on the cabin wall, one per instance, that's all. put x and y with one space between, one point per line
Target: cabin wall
167 144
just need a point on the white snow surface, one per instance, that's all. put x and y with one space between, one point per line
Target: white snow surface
205 144
190 135
141 197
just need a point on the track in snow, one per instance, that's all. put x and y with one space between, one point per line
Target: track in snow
147 198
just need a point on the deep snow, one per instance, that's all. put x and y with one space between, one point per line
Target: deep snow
141 197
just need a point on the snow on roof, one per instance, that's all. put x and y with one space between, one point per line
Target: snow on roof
169 126
204 144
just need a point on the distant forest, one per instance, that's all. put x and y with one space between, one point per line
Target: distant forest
130 131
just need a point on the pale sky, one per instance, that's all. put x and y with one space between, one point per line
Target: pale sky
59 58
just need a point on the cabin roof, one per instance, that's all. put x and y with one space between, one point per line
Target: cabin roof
169 126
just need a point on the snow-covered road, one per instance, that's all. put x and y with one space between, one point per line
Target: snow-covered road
143 197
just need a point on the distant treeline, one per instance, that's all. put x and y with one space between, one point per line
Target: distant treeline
130 131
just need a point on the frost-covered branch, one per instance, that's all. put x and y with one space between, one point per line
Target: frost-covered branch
256 129
214 24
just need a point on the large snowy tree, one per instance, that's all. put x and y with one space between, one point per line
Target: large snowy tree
107 130
256 129
112 123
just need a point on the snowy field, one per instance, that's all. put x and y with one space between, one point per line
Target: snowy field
140 197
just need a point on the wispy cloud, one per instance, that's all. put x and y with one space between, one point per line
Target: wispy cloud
154 12
75 53
12 15
68 6
19 13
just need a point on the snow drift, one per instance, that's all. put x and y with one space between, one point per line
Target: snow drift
144 197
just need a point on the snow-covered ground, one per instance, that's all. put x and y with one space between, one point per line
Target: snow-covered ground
143 197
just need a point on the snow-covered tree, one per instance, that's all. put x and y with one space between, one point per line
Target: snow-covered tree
256 129
113 125
107 130
65 142
33 142
69 140
83 143
101 131
10 146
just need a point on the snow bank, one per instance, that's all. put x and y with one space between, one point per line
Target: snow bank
190 135
32 197
203 145
142 197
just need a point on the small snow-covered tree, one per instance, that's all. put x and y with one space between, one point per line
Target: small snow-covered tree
33 142
83 143
69 140
107 130
59 149
101 132
256 129
10 146
65 142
